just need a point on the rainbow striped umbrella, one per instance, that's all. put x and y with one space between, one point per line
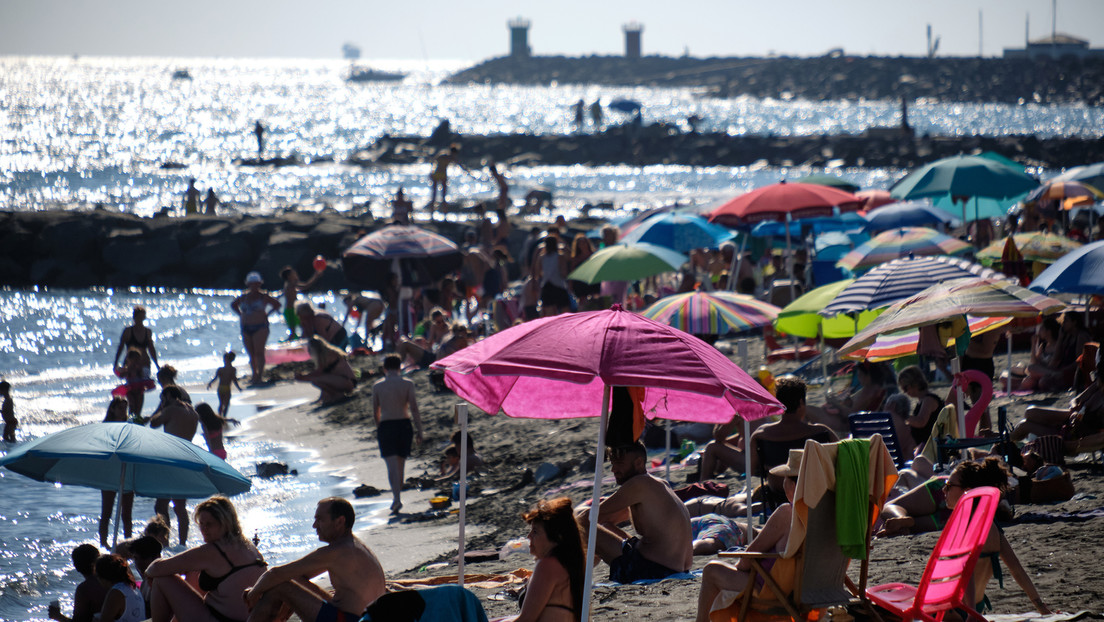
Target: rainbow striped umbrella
711 313
897 243
977 296
1033 246
895 345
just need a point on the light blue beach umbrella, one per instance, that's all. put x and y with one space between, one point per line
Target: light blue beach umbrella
126 457
679 232
907 214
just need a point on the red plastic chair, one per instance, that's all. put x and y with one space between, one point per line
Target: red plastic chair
778 352
950 566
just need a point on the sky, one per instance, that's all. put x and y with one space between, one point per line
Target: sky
477 29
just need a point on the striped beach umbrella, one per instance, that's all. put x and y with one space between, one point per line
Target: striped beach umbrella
900 279
897 243
895 345
977 296
1033 246
1062 190
711 313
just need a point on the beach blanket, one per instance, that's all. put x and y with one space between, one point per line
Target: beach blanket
482 581
678 576
1079 516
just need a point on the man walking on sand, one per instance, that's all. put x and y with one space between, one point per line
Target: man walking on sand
355 574
394 404
662 546
181 420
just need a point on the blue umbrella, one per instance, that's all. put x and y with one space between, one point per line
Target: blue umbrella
126 457
625 105
840 222
680 232
906 214
1080 271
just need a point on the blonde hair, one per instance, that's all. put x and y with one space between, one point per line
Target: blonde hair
223 512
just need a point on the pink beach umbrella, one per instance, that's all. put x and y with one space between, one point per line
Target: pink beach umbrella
564 366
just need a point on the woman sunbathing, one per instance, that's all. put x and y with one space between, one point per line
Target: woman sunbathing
1081 425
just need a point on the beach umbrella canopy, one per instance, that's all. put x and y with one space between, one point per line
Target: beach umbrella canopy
627 262
801 318
784 201
899 279
897 243
711 313
1062 190
679 232
1079 272
1033 246
565 366
824 179
850 221
1092 174
964 176
625 105
977 296
873 198
421 257
889 346
907 214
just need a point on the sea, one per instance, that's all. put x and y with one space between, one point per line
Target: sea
124 134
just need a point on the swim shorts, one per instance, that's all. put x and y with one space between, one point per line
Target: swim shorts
329 613
396 437
291 318
633 566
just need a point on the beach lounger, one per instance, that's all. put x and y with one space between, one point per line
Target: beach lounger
950 566
814 552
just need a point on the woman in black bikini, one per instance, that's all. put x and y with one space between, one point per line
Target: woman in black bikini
227 563
920 424
139 337
555 591
254 307
332 373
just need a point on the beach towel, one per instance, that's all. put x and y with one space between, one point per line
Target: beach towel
946 424
852 517
444 603
482 581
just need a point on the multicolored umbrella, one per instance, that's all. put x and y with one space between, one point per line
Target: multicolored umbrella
897 243
801 318
784 201
627 262
1092 174
891 346
907 214
711 313
1033 246
1079 272
900 279
977 296
1062 190
420 256
679 232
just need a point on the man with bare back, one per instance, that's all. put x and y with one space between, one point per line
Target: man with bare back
181 420
355 574
395 408
663 543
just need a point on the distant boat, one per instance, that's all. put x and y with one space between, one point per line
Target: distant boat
365 74
181 74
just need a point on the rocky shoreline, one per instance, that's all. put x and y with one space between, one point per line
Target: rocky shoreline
832 77
665 144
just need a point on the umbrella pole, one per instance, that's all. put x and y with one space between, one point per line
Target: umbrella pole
592 530
732 276
119 505
1008 364
960 401
667 459
462 414
747 478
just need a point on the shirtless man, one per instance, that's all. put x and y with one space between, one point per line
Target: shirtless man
180 420
292 287
662 546
355 574
394 405
789 432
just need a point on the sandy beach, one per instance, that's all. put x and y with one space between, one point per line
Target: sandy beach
1059 554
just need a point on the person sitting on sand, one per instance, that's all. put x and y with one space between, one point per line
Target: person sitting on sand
869 397
89 596
213 426
459 338
395 409
315 322
226 375
144 551
928 507
773 538
450 463
662 546
227 563
179 419
332 374
554 593
123 603
726 450
354 572
1082 423
1045 358
922 420
363 309
791 429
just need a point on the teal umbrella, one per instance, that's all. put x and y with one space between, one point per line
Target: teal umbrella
627 262
824 179
964 176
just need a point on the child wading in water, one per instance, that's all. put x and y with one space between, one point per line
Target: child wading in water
213 425
135 376
8 411
225 375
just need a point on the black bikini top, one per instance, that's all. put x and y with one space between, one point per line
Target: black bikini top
207 583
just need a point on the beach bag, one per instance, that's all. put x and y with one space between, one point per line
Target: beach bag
1051 490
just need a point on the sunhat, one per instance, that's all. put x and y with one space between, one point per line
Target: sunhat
790 469
253 277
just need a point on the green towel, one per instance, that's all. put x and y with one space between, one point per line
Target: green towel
852 496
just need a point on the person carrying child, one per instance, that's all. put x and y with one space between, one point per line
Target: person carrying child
226 375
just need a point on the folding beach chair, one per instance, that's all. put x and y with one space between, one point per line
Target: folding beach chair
867 424
820 574
950 567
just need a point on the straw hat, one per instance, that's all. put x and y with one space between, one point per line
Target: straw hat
790 469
